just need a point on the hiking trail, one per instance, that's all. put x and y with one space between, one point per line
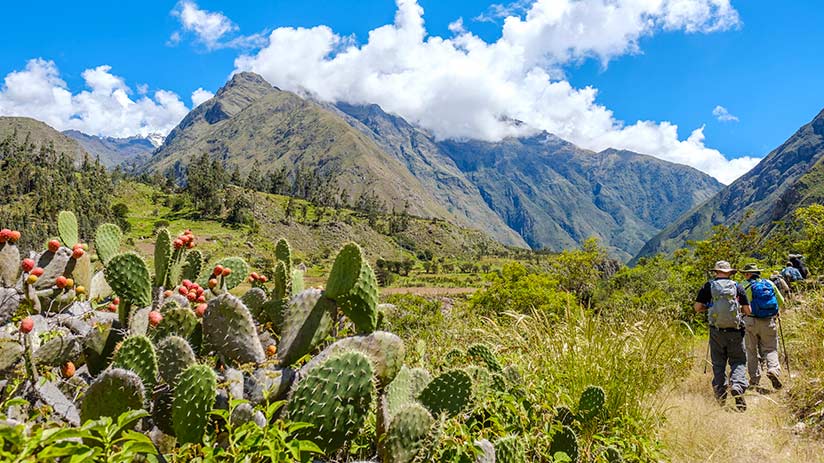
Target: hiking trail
697 429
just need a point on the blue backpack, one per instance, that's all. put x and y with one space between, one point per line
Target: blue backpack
764 304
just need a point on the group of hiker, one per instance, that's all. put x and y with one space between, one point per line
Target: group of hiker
744 325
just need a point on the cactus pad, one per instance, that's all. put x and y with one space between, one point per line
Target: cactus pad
229 330
194 396
240 269
113 393
353 286
509 449
67 228
58 350
385 350
565 441
82 271
137 354
564 415
162 256
448 393
482 353
11 352
407 432
297 282
107 241
254 299
335 398
406 386
9 265
267 385
128 276
174 356
591 402
283 253
176 322
98 346
307 320
193 265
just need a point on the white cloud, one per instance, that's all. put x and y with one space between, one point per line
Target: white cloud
465 87
199 96
722 114
212 29
106 108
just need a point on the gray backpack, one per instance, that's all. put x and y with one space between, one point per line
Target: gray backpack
724 311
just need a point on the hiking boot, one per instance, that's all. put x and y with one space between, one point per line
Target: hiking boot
740 403
776 383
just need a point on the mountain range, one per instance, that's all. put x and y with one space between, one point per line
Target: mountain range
538 191
113 152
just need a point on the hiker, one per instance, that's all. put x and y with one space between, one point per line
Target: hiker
780 282
791 274
796 260
761 336
724 300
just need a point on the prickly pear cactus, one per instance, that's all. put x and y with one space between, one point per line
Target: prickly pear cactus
612 455
454 357
98 346
565 441
229 330
385 350
298 285
353 286
174 356
11 352
307 320
194 396
162 256
139 322
482 353
564 415
54 265
193 265
407 433
240 269
591 402
9 265
254 299
449 393
176 322
113 393
509 449
283 253
335 398
404 389
128 276
107 241
67 228
58 350
137 354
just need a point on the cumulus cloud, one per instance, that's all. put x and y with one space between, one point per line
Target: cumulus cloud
212 29
722 114
106 108
199 96
465 87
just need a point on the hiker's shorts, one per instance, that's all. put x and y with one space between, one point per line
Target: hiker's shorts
727 348
762 346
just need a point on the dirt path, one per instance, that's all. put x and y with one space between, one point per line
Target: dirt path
698 430
428 291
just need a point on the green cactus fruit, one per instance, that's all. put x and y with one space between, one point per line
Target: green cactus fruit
162 256
176 322
591 402
564 415
58 350
353 286
113 393
194 397
11 352
174 356
449 393
137 354
67 228
335 398
564 441
229 330
54 265
128 276
193 265
298 285
162 405
509 449
407 433
98 346
240 270
385 350
107 241
482 353
9 265
82 271
307 320
283 253
454 357
254 299
612 455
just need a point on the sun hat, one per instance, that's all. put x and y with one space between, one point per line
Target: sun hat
723 266
752 268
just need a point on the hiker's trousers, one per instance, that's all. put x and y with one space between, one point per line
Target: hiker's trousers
727 347
762 346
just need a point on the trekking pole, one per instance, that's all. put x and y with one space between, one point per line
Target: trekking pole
707 358
784 346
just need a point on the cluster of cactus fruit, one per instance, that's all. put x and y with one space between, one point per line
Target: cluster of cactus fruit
181 344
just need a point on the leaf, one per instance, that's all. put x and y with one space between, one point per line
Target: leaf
126 419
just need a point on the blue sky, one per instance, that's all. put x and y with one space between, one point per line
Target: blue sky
765 68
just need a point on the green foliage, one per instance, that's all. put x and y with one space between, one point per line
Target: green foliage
521 290
812 243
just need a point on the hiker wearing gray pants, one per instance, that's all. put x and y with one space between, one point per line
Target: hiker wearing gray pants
725 301
761 337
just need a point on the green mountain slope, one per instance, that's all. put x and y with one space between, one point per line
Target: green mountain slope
40 134
254 126
113 152
789 177
556 195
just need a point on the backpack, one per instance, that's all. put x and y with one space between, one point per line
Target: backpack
791 274
764 304
799 264
724 311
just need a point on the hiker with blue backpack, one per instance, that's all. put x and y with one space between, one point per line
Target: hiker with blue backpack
725 302
761 336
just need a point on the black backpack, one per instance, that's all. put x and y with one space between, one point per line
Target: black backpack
799 264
